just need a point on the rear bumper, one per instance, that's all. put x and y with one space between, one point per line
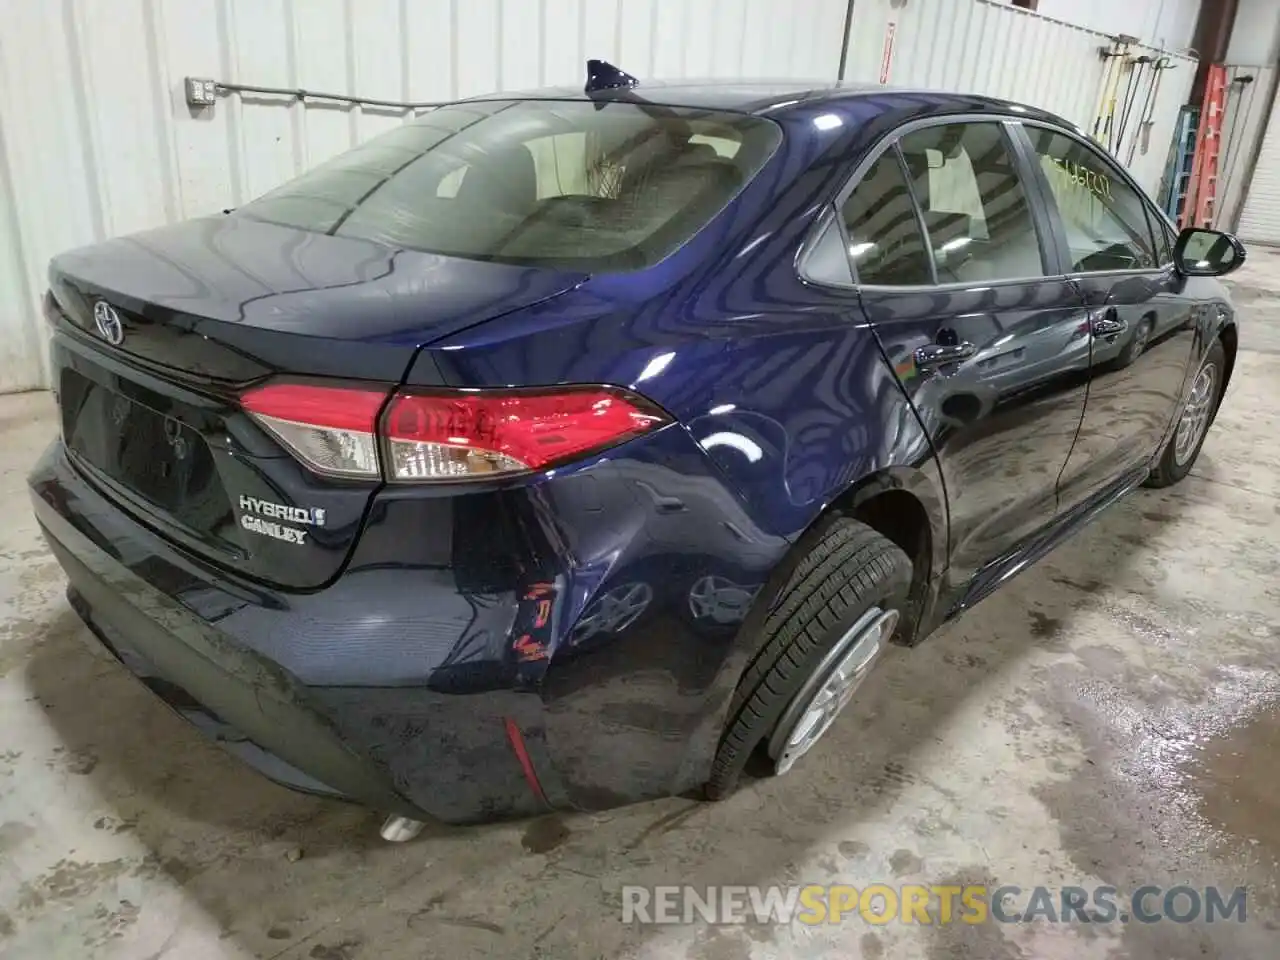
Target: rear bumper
458 620
203 682
166 620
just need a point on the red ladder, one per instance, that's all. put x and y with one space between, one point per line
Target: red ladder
1202 190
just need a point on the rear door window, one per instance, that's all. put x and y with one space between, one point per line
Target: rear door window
570 184
976 215
885 241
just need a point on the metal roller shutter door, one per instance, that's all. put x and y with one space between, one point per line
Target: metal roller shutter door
1260 219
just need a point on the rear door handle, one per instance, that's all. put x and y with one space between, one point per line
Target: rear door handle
936 354
1108 323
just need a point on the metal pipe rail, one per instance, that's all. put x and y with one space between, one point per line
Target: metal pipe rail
204 93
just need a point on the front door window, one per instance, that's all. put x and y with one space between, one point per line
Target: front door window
1105 219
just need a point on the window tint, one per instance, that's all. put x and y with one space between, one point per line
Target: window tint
827 261
975 210
885 242
1105 219
559 183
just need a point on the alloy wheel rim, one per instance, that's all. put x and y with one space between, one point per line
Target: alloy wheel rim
1195 415
830 687
614 611
622 606
715 598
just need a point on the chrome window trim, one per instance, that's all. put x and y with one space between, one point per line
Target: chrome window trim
961 285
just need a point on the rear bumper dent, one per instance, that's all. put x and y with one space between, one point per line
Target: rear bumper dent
411 750
246 703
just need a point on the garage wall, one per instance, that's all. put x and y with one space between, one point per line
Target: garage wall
96 140
1170 23
1260 212
1255 40
1255 36
1242 125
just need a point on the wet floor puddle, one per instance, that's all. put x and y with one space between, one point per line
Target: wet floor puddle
1238 781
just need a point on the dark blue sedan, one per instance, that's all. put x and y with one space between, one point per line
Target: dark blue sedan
565 449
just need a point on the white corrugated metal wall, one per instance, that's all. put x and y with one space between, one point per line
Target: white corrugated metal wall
1254 39
1167 22
1260 213
96 139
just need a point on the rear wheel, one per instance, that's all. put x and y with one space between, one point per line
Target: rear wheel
1184 446
825 632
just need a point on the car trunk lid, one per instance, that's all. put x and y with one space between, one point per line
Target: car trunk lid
190 316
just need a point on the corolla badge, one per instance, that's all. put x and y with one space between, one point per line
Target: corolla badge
108 323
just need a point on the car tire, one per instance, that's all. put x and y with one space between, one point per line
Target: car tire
1180 454
850 576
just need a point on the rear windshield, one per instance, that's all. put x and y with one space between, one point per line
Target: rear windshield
546 182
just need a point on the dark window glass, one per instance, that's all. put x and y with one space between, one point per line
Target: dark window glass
1105 219
558 183
975 210
885 243
827 261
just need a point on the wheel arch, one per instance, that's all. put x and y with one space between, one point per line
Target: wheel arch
904 505
1230 337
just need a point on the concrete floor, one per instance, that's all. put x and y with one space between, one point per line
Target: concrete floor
1112 716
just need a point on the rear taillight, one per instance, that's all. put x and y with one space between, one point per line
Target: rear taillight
441 436
447 435
333 430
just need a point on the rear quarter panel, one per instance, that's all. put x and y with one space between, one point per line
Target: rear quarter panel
785 404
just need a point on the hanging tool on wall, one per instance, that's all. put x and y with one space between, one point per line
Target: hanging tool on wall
1131 92
1116 57
1243 89
1147 113
1109 56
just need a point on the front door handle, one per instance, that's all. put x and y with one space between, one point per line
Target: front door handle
1108 323
936 354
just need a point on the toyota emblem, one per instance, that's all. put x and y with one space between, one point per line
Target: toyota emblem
108 323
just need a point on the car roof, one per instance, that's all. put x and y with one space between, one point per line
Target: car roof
778 97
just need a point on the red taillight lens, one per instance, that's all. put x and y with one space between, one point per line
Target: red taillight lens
441 436
333 430
450 435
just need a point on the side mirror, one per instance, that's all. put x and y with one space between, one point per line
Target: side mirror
1207 253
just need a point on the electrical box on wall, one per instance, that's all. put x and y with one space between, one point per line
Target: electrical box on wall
201 93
